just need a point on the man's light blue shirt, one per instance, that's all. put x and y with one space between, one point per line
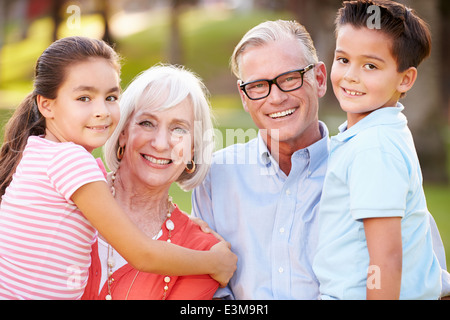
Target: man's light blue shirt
373 171
269 218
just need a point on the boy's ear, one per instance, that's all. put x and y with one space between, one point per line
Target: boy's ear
45 106
408 79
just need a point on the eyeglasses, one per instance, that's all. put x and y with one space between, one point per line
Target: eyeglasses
286 82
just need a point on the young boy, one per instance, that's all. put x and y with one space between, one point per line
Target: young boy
375 240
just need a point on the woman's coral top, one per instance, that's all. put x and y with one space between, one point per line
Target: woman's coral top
131 284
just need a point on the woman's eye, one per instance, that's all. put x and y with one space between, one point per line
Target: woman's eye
180 131
146 123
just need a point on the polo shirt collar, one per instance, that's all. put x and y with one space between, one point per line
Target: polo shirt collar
386 116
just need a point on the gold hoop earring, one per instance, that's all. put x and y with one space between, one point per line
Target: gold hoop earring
120 152
190 170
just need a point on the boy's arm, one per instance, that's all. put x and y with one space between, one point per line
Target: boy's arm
100 208
384 242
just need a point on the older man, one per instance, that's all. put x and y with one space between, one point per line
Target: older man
263 196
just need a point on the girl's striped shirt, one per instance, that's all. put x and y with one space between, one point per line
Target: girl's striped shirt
45 241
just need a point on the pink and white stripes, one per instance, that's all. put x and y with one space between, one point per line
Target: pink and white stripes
45 241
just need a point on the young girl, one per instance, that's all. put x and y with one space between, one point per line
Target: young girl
55 196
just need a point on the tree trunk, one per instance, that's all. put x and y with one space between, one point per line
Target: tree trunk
175 42
424 104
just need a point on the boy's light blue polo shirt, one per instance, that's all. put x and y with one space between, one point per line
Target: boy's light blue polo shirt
373 171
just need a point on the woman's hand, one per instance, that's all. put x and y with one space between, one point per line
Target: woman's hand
225 263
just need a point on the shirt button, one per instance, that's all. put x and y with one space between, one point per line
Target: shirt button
281 230
288 192
280 270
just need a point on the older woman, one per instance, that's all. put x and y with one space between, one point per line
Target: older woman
164 136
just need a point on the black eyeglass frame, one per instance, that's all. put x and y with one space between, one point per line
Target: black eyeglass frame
274 81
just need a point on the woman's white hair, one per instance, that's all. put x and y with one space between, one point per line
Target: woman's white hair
175 84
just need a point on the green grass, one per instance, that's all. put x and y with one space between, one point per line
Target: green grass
438 200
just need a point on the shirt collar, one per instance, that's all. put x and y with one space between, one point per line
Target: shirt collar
385 116
317 152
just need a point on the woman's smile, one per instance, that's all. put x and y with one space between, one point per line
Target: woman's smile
157 161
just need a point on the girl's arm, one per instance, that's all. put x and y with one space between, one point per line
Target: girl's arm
384 242
100 208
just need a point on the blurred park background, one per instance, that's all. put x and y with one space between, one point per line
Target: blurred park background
201 34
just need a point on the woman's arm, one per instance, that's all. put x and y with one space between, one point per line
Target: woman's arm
100 208
384 242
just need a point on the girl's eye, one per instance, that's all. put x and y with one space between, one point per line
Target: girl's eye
112 99
84 99
342 60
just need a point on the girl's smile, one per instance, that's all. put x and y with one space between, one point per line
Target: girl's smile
86 109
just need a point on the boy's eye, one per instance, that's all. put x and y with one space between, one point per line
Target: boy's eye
370 66
342 60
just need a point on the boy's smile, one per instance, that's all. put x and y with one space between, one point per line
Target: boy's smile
364 73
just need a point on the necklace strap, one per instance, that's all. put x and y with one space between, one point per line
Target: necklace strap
111 260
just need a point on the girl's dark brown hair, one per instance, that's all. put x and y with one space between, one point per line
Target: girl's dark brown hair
411 37
50 73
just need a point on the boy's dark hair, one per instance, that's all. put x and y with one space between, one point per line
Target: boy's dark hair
411 38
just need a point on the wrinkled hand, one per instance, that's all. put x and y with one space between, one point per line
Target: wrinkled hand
226 263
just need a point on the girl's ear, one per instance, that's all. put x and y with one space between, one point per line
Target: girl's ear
45 106
407 80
